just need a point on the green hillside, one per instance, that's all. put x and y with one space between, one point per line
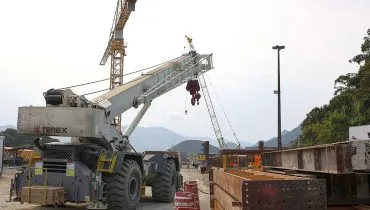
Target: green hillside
12 139
350 105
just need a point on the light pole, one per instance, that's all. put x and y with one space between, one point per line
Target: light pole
278 48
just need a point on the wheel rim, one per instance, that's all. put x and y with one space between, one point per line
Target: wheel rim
133 188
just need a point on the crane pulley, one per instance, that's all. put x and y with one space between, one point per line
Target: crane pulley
193 87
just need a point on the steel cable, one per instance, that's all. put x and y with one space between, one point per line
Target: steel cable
227 119
101 80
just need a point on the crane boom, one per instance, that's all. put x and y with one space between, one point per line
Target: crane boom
211 111
68 114
153 84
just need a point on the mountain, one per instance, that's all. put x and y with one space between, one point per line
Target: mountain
231 145
154 138
243 144
287 138
192 146
284 132
160 138
232 142
246 144
349 106
12 139
3 128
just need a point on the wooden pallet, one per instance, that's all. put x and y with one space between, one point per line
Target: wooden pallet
43 195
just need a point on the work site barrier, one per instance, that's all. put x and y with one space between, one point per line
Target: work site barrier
184 201
189 199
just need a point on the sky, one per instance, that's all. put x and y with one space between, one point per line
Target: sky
53 44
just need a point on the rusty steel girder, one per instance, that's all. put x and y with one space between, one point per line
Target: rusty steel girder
285 194
336 158
238 189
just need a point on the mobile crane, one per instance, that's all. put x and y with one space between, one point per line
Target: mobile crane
99 167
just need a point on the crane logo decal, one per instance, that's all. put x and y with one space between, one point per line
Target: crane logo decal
55 130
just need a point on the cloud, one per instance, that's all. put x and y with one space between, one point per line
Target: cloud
245 65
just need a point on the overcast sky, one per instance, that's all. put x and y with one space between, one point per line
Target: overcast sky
50 44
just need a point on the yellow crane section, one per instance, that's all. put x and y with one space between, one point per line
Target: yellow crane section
116 47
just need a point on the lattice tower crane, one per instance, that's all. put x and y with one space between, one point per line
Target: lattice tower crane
116 47
208 100
211 111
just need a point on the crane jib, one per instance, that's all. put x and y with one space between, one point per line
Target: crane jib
154 83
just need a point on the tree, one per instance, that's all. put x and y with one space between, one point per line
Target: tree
350 105
12 139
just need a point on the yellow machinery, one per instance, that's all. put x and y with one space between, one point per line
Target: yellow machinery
201 157
116 47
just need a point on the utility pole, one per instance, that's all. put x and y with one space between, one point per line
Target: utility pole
278 48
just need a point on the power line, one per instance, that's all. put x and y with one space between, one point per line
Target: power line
108 88
141 70
85 83
95 92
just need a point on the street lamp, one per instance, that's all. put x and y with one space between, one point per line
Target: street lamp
278 48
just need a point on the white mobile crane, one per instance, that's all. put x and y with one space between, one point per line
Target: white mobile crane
99 167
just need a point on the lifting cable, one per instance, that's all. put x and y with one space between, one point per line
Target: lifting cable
136 79
185 103
218 101
95 92
85 83
88 83
203 191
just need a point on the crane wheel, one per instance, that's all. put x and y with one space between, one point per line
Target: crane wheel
123 189
165 183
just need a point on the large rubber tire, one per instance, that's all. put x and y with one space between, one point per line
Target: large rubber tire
123 189
165 184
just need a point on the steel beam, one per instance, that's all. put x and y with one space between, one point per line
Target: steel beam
250 189
225 200
229 182
285 194
337 158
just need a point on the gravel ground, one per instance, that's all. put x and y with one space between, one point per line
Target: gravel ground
146 202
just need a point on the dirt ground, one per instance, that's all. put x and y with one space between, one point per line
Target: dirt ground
146 202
